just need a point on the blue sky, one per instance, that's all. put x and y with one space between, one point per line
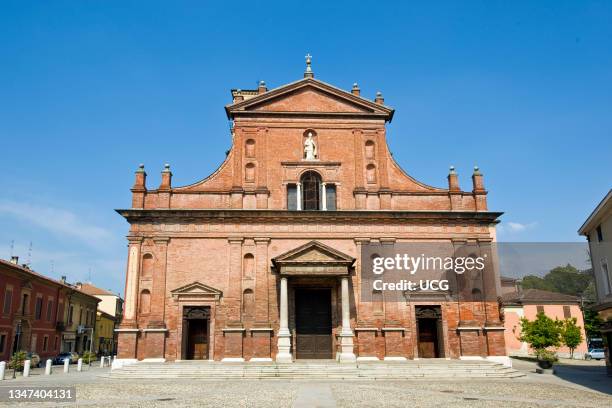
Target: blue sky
91 89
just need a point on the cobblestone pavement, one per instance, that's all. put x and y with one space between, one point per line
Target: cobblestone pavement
95 389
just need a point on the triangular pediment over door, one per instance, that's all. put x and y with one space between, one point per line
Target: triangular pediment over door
196 291
314 259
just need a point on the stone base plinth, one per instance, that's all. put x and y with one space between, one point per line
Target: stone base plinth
284 348
127 340
347 355
155 340
233 343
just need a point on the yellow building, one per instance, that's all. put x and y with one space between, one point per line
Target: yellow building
108 318
104 334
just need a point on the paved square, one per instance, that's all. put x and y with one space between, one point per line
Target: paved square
577 384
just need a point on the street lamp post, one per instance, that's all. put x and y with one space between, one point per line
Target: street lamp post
91 341
17 341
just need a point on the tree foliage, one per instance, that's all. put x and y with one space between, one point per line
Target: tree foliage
592 323
541 333
570 281
570 335
562 279
88 357
17 360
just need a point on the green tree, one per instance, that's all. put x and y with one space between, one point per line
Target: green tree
570 335
88 357
17 360
535 282
562 279
541 333
592 323
567 279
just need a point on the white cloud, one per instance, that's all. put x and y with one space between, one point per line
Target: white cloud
57 221
515 227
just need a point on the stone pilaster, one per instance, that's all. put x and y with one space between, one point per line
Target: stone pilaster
260 334
131 284
233 333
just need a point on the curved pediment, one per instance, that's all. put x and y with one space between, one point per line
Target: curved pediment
314 258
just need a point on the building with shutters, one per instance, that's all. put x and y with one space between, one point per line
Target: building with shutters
40 314
528 303
260 260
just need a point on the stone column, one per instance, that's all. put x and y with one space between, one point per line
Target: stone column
284 336
323 198
128 332
131 285
347 354
298 190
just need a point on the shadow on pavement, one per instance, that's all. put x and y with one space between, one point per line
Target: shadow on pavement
589 376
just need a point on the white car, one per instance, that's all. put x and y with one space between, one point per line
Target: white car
597 354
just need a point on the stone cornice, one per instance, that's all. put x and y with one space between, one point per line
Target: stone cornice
136 215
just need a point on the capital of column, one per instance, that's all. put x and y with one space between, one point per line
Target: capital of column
261 240
161 240
132 239
235 240
361 241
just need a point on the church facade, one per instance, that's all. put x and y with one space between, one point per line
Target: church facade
261 260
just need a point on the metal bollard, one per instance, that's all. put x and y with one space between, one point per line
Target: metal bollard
48 366
102 362
66 365
26 368
2 369
80 365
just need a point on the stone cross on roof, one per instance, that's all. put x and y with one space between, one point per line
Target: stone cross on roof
308 73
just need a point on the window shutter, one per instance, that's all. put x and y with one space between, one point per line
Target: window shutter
330 197
566 312
292 197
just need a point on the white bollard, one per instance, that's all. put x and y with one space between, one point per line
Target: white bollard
26 368
102 362
2 369
80 365
66 365
48 367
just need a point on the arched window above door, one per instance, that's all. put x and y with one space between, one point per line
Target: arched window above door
311 191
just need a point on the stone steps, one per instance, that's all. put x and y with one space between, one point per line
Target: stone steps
329 370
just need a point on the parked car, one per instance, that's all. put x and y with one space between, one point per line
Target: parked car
597 354
70 355
34 359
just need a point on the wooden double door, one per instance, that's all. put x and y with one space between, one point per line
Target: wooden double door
197 339
428 338
313 322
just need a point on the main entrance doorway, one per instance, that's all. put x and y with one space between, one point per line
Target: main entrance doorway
313 321
428 319
195 329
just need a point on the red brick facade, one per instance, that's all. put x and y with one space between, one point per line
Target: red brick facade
36 307
217 244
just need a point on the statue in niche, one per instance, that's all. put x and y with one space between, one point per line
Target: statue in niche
310 148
